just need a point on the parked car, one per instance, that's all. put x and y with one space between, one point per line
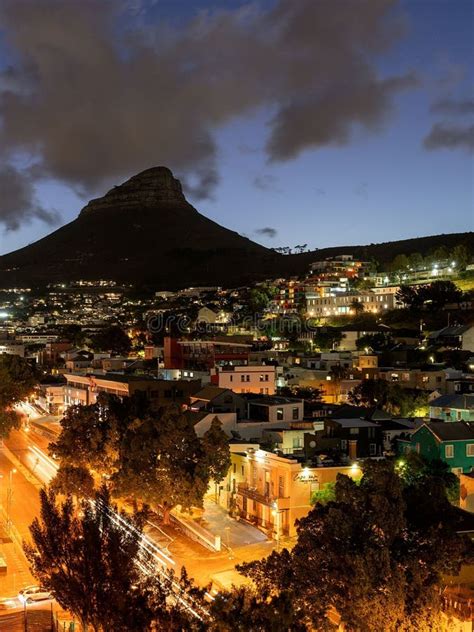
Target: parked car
32 594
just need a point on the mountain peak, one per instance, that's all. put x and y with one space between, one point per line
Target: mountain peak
150 188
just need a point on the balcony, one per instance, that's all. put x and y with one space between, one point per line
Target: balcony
253 494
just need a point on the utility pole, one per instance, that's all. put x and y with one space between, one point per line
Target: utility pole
10 498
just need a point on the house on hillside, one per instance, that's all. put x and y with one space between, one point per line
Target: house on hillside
457 337
453 407
451 442
218 400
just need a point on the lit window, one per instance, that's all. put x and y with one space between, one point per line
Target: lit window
470 449
449 451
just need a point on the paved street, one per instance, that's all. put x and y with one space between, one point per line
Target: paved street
21 509
246 542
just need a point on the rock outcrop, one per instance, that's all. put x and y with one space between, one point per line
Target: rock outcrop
153 187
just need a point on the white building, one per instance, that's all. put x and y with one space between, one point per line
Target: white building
324 306
246 379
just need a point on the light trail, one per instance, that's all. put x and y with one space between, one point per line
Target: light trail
152 558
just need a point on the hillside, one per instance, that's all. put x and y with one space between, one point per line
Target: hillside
145 232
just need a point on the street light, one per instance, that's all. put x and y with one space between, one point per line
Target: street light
276 513
10 496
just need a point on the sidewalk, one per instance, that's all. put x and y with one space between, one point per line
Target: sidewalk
234 533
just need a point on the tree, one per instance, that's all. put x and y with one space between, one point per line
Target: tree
215 445
163 463
357 306
392 398
90 435
461 256
327 338
418 472
436 294
409 296
416 261
112 340
72 480
243 609
370 393
375 342
401 262
371 554
17 381
89 562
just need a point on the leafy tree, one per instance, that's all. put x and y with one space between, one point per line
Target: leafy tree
17 380
72 480
243 610
401 262
112 340
392 398
418 471
375 342
415 260
375 555
409 295
90 435
215 445
357 306
89 562
370 393
436 294
327 338
164 463
324 495
461 256
74 334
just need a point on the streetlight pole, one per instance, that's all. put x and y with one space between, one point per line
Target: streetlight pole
10 497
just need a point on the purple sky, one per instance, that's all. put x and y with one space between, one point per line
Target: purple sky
269 116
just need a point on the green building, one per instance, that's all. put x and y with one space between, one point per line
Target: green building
452 442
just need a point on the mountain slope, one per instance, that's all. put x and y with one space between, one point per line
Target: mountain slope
141 231
145 232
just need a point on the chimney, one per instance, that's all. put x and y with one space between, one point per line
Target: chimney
353 448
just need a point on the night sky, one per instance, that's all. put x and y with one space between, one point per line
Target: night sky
291 121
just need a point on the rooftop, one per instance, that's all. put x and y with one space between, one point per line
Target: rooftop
451 430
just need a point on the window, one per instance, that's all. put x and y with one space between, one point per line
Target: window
261 378
371 433
242 378
354 431
456 470
235 468
470 449
281 487
279 414
449 451
231 378
297 442
247 378
372 449
295 413
343 444
266 377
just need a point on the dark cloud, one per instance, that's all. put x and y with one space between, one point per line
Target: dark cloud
93 101
453 107
17 199
445 136
267 232
265 182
